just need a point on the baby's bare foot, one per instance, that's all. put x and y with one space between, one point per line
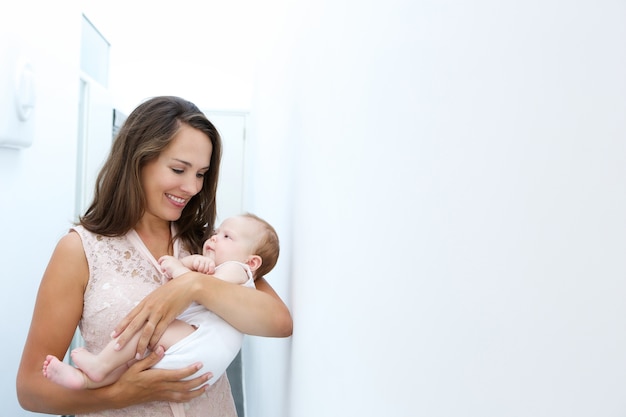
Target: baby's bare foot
89 363
63 374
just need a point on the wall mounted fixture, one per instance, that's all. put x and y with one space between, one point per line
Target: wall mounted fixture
17 103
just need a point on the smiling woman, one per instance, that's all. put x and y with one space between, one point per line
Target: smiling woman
156 191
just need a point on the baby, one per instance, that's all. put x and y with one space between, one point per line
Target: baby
243 248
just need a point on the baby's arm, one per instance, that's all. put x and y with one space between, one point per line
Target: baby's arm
173 267
199 263
231 272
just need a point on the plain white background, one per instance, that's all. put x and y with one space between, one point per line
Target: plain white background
201 50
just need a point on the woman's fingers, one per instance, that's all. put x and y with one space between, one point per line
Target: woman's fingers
171 382
154 313
142 319
144 339
189 394
185 390
129 325
153 335
141 383
150 360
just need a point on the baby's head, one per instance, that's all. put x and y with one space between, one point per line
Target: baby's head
245 238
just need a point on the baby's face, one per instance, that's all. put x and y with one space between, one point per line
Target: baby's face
233 240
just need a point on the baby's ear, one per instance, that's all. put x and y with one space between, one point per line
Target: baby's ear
254 262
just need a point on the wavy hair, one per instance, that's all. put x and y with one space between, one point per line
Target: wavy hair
119 199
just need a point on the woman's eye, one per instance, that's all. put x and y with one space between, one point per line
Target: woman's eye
200 175
177 171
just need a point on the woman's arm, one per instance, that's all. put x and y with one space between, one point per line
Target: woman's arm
57 311
258 311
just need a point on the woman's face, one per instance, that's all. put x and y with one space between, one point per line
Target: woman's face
177 174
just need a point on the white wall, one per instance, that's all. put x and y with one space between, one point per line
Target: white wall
450 181
36 183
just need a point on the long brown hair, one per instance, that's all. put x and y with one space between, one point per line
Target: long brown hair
119 198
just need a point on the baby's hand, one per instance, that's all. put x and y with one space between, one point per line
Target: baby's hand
171 266
204 265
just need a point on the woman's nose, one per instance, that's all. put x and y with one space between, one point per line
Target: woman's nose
192 185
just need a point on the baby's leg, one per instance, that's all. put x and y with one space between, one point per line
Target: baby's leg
97 367
113 376
73 378
63 374
176 331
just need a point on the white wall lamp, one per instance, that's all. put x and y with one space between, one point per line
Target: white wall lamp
17 103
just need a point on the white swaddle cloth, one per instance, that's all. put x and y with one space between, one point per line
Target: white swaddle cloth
215 343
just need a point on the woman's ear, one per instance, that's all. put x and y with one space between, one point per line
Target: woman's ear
254 262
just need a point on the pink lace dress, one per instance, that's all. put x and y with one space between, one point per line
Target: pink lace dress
121 273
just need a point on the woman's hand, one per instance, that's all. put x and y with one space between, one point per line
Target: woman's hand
141 384
258 312
155 312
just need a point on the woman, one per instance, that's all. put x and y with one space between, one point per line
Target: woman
154 196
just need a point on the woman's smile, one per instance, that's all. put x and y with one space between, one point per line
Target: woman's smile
178 201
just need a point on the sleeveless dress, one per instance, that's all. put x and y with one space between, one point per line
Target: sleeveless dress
121 273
